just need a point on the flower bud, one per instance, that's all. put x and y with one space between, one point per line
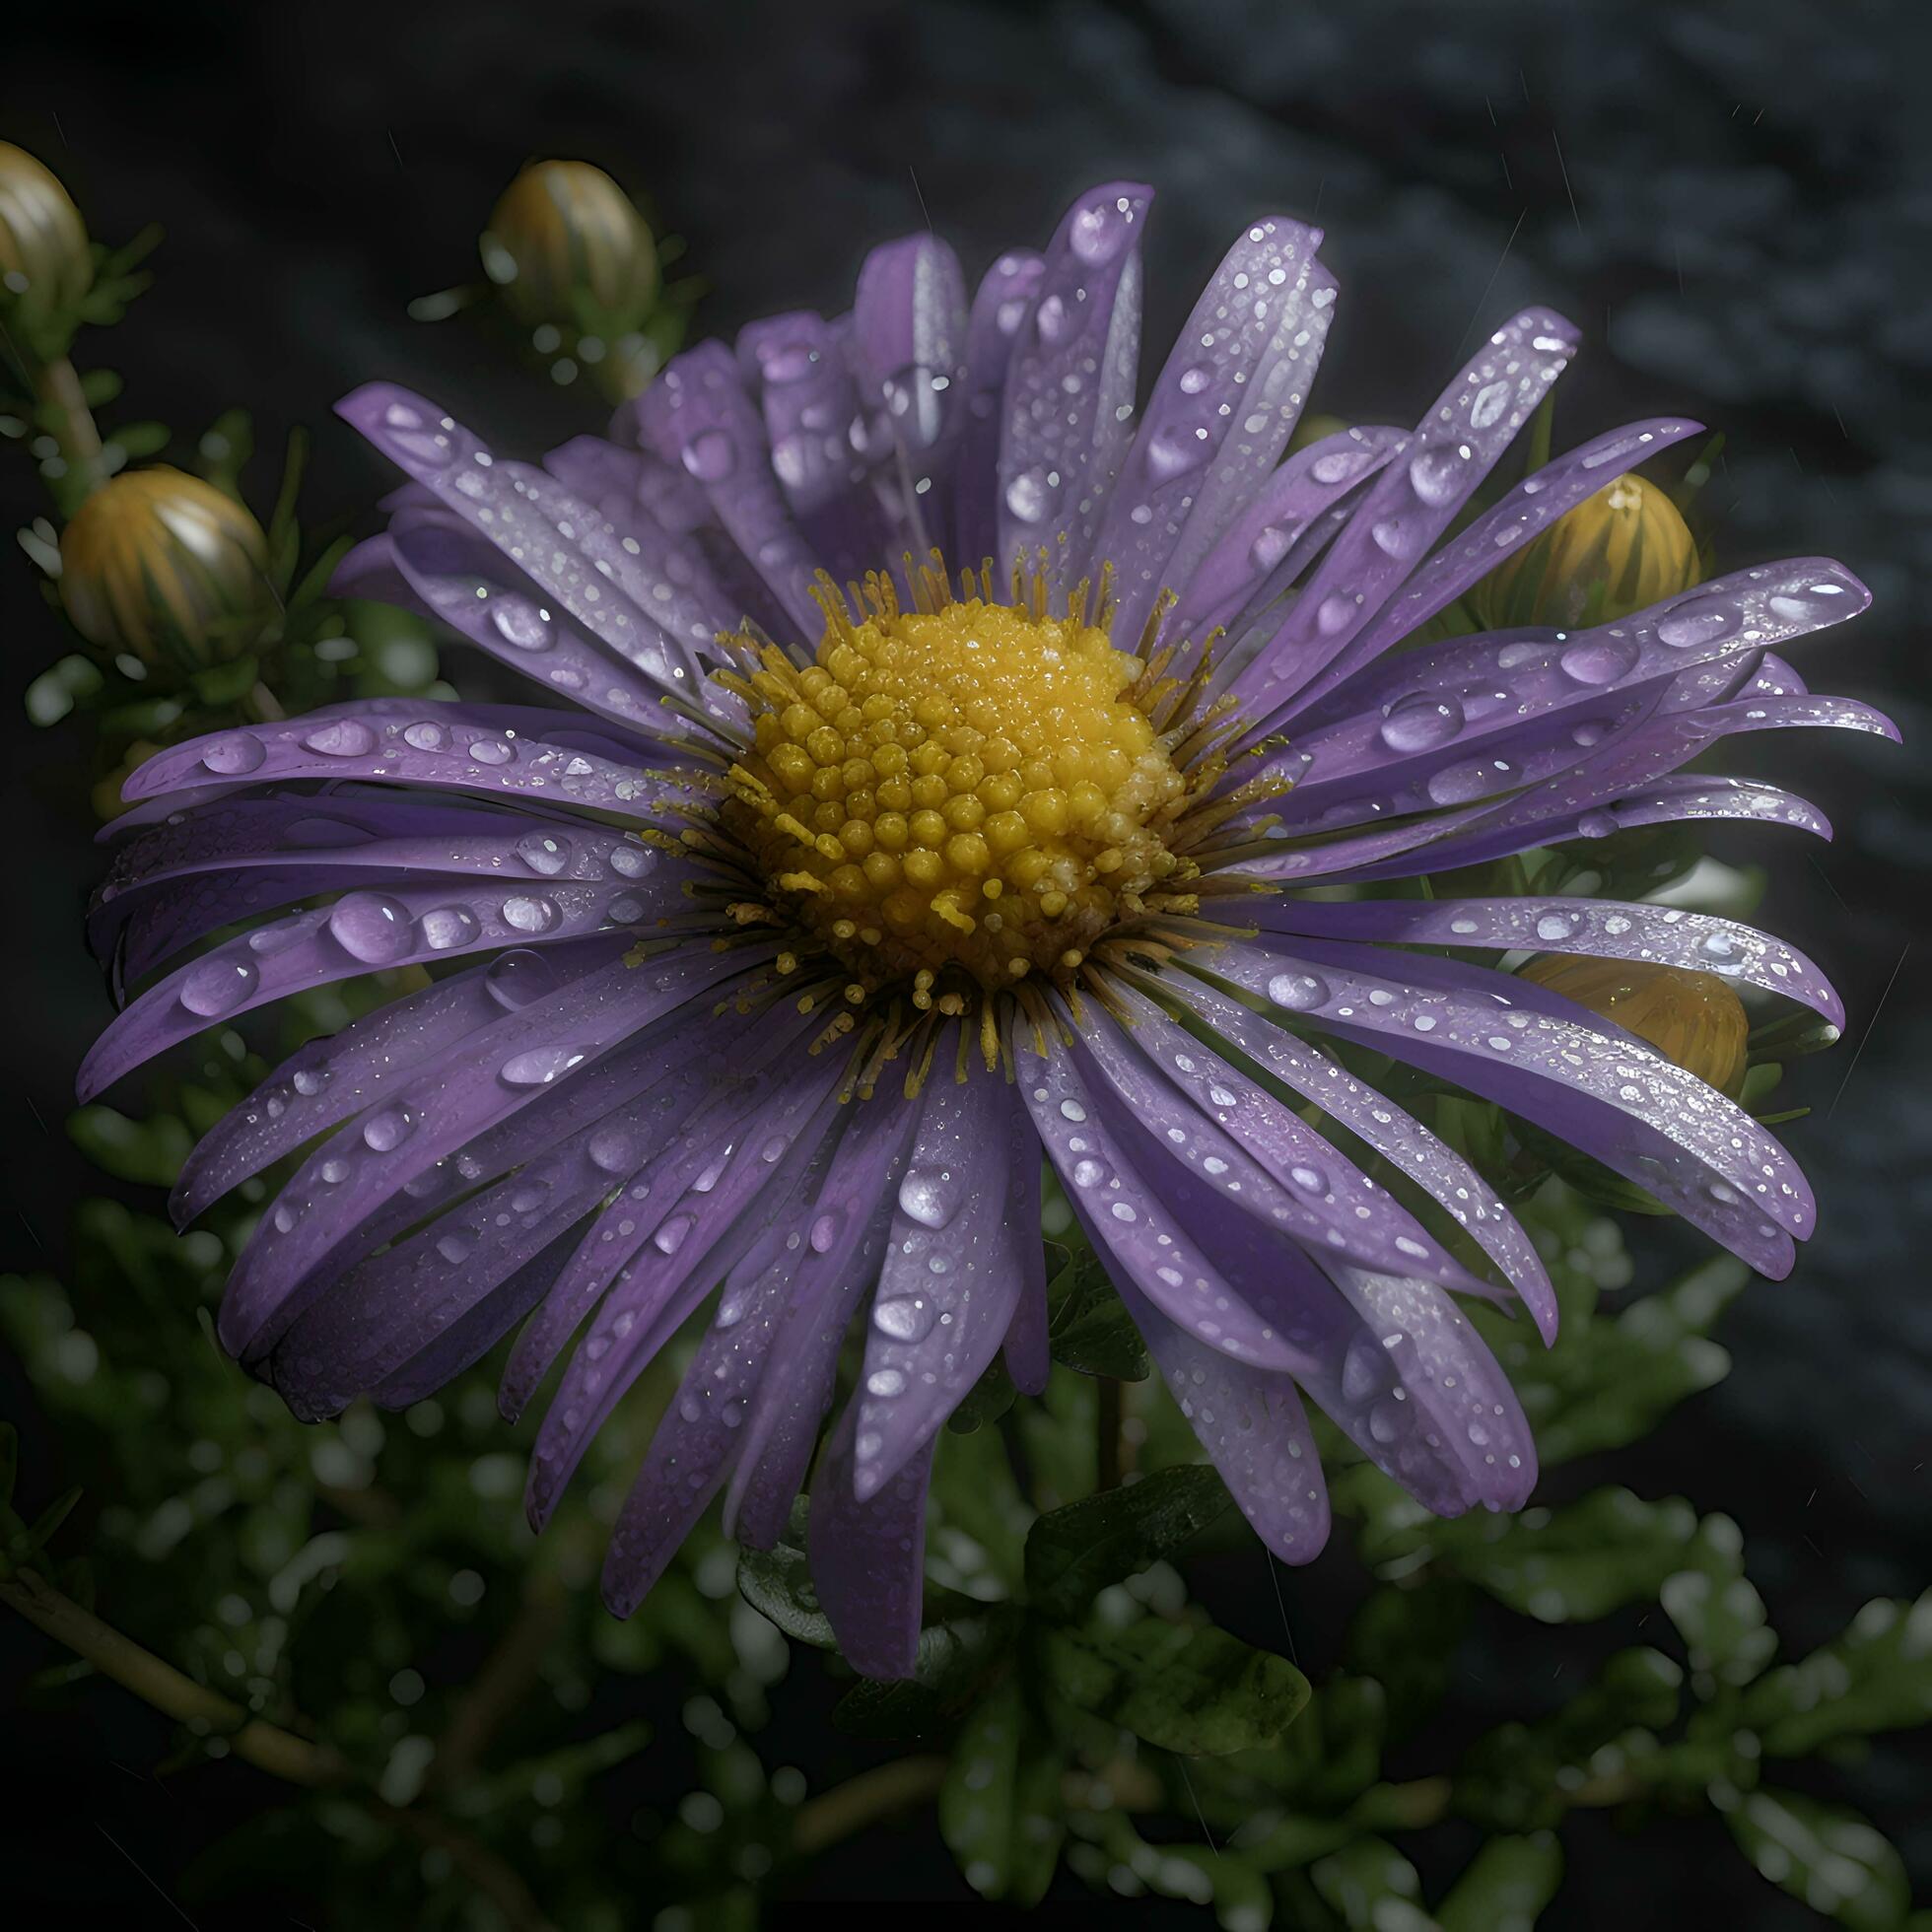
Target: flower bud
1693 1018
46 264
1617 551
167 567
564 238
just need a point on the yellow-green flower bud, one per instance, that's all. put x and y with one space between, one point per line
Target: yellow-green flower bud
45 265
1693 1018
166 568
566 236
1621 549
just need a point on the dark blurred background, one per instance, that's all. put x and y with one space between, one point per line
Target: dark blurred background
1735 202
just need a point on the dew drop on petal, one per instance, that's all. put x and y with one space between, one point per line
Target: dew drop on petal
218 985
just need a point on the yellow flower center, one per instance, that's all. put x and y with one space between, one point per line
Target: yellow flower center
970 787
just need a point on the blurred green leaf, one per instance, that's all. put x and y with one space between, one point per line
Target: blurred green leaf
1190 1688
999 1807
1505 1886
1075 1553
954 1660
1716 1607
985 1401
1876 1677
1828 1858
150 1151
1370 1885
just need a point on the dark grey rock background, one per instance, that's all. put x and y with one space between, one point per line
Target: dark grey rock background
1734 201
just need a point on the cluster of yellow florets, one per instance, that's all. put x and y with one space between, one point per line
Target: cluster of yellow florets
972 786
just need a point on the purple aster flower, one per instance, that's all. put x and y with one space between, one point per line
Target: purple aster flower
771 969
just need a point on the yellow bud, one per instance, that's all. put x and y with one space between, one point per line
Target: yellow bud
1617 551
166 567
565 235
45 265
1693 1018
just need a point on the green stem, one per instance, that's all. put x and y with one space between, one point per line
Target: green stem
70 422
265 1746
1107 1435
865 1800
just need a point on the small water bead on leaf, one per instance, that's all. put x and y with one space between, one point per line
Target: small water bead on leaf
825 1231
1598 659
1027 495
540 1066
426 735
530 915
521 621
1436 470
218 985
449 926
544 852
454 1248
904 1317
371 927
1299 992
384 1132
236 755
1422 722
341 737
1700 621
613 1151
670 1238
710 455
492 751
631 862
1458 785
516 979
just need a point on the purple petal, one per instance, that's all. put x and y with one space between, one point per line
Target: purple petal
1606 928
1062 446
1129 1224
1026 1346
851 1221
1396 1135
951 1280
1220 414
1575 1075
867 1556
1287 523
348 1073
698 414
1527 508
1000 309
1253 1428
1455 446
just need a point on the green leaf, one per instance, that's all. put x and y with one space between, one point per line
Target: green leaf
1827 1857
1188 1687
777 1582
999 1807
1716 1609
954 1661
1371 1885
1574 1563
1088 1327
985 1401
1505 1885
1335 1752
150 1152
1407 1638
1073 1554
1876 1677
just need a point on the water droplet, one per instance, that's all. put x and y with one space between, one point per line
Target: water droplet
1600 660
670 1238
528 915
1073 1110
341 737
311 1081
1299 992
218 985
491 751
231 756
454 1248
825 1231
1053 320
1333 615
541 1065
1098 232
1393 537
630 861
613 1151
1027 495
1364 1369
425 735
885 1382
1174 452
1556 926
371 927
1457 785
1695 623
1436 474
520 621
384 1132
449 926
1088 1173
514 979
904 1317
546 852
1488 405
929 1197
1422 722
710 455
